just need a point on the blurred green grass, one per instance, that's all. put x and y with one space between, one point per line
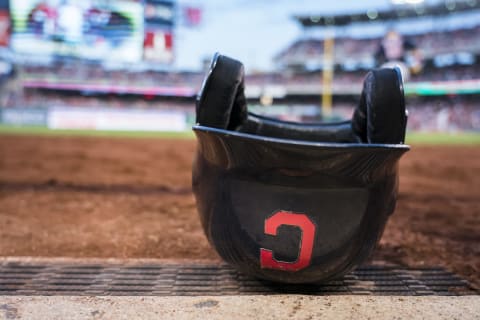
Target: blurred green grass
5 129
460 138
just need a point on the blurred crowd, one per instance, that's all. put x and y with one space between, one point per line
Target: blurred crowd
78 72
439 114
459 113
431 44
451 73
52 98
92 74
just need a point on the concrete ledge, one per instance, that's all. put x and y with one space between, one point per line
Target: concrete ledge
240 307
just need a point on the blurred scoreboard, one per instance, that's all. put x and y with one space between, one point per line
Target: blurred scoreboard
94 29
5 27
158 45
125 31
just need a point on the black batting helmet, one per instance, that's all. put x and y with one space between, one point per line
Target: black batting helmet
291 202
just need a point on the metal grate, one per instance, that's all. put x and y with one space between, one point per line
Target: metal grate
19 278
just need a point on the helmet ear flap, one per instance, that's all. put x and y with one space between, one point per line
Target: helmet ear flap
221 102
380 116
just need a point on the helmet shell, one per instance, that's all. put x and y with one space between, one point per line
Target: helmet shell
289 210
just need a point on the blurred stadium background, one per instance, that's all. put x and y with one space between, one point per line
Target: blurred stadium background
112 68
110 65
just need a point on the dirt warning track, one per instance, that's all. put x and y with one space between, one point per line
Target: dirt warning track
131 198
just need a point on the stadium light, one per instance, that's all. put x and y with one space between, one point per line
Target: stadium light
472 3
372 14
400 2
450 5
420 10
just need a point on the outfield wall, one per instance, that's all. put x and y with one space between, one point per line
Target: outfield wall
24 116
106 119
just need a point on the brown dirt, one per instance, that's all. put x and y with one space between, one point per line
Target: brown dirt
131 198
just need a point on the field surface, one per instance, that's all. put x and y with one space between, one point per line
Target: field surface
70 196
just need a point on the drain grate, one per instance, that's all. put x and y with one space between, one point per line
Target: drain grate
19 278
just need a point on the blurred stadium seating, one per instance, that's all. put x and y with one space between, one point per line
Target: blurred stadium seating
442 96
358 50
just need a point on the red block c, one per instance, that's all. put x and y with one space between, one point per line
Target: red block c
306 226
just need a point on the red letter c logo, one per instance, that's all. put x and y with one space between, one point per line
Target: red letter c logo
299 220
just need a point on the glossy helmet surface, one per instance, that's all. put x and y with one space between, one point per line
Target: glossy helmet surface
291 202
